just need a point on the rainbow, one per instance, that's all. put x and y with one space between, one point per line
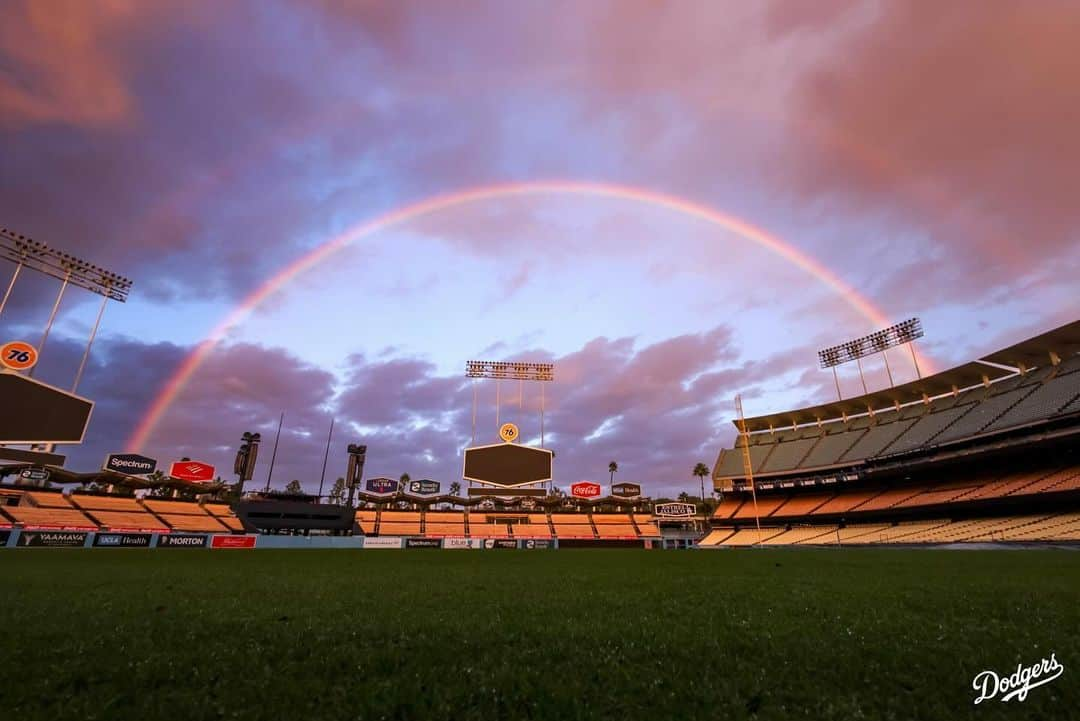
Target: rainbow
434 204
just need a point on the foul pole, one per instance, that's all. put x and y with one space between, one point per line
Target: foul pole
747 465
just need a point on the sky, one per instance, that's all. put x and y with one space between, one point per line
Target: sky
706 193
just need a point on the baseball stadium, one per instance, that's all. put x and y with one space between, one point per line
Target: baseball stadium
402 360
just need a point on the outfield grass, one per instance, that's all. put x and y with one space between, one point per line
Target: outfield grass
620 634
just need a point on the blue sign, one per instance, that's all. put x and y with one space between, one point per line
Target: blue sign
381 485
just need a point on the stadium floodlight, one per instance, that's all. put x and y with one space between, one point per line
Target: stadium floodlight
37 256
505 370
520 371
904 333
876 342
26 252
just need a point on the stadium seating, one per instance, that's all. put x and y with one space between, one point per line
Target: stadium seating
728 505
106 503
844 502
49 517
765 506
481 529
535 526
193 522
45 500
116 512
399 523
800 505
616 530
223 513
572 525
830 447
438 524
1046 527
646 525
367 521
879 437
123 520
800 534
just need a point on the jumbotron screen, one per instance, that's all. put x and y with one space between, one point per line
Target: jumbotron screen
43 414
507 464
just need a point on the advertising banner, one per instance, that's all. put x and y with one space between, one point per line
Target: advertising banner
181 540
35 474
500 543
53 539
381 486
195 471
457 543
423 543
131 463
423 487
232 541
599 543
5 535
382 542
626 490
122 540
537 543
675 510
585 489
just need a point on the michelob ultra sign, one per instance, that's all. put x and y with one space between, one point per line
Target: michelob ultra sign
380 486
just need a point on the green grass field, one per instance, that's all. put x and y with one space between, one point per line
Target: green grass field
620 634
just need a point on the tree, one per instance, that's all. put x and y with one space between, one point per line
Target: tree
455 489
294 487
613 468
701 470
684 497
405 478
337 492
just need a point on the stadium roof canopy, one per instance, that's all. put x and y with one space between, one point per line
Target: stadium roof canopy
1062 342
1032 353
958 378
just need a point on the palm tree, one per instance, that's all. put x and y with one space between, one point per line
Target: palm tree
455 489
701 470
404 479
613 468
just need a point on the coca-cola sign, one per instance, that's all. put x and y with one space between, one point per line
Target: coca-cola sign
585 489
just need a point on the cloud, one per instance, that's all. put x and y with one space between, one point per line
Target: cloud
960 122
61 64
661 407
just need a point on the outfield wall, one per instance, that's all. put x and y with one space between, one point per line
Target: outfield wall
35 538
